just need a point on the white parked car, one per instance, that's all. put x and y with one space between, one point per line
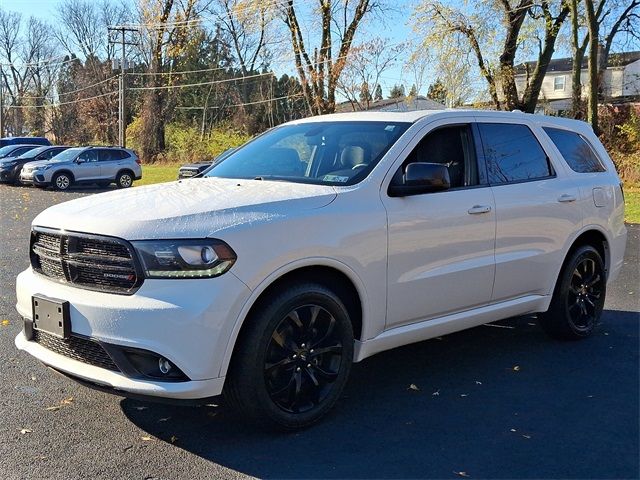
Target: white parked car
320 243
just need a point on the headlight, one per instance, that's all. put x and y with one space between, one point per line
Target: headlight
42 167
184 258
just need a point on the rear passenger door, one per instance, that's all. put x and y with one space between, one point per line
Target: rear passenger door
536 208
110 162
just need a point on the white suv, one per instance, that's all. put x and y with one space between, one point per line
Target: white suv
320 243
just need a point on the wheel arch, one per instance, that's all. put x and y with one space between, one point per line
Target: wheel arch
336 275
125 170
63 170
589 235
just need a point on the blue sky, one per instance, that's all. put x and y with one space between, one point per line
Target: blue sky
395 30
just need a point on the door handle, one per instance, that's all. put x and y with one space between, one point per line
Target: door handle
476 209
565 197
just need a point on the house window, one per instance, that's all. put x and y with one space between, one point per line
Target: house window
558 83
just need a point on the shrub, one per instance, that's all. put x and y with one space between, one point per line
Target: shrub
184 143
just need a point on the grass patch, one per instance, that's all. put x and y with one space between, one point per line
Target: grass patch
632 204
158 174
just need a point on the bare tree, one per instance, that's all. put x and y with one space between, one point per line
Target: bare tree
320 70
364 68
474 30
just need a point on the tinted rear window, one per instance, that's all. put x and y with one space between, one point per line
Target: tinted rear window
576 151
513 153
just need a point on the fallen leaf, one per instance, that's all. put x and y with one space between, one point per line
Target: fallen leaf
164 419
414 387
516 368
461 474
53 408
174 439
25 430
5 323
67 401
145 439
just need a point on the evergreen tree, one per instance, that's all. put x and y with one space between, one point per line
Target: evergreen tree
378 94
397 91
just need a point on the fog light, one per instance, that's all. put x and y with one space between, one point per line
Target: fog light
164 365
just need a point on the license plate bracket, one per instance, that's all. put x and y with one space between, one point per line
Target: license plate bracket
51 315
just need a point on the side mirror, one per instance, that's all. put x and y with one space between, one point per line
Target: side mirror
422 178
79 160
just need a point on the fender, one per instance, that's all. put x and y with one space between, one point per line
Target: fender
571 240
295 265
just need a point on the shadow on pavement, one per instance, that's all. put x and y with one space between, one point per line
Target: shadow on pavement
500 401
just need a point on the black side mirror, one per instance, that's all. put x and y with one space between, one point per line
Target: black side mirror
421 178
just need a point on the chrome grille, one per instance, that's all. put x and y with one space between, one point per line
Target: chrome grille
87 261
78 348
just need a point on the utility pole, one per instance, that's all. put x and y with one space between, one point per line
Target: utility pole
122 82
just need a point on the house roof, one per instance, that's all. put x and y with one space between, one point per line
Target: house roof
566 64
400 104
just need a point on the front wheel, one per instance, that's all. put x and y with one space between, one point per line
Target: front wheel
293 362
61 181
578 299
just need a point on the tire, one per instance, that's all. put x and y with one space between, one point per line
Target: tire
578 298
124 179
61 181
277 377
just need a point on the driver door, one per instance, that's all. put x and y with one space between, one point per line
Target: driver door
441 244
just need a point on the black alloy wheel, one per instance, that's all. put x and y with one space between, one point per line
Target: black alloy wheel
293 357
578 298
303 359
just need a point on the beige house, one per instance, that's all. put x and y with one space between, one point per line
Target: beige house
621 81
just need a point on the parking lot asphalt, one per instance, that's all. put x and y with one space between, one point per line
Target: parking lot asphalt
497 401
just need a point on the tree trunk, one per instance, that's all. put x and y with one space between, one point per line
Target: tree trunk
592 104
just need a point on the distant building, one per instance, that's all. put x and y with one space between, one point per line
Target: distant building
621 82
400 104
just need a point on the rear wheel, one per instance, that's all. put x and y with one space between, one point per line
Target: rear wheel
61 181
124 180
578 299
292 364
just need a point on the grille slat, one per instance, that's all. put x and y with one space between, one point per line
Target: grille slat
78 348
104 264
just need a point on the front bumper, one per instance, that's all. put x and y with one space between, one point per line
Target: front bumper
7 175
188 322
35 177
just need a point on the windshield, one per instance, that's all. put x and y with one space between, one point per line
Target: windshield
326 153
4 151
68 154
33 153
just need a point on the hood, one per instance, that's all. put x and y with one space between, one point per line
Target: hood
196 208
38 163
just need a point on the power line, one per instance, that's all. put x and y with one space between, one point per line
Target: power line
213 82
72 91
242 104
63 103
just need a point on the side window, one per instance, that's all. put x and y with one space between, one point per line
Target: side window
450 146
120 154
105 155
512 153
575 150
89 156
20 151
